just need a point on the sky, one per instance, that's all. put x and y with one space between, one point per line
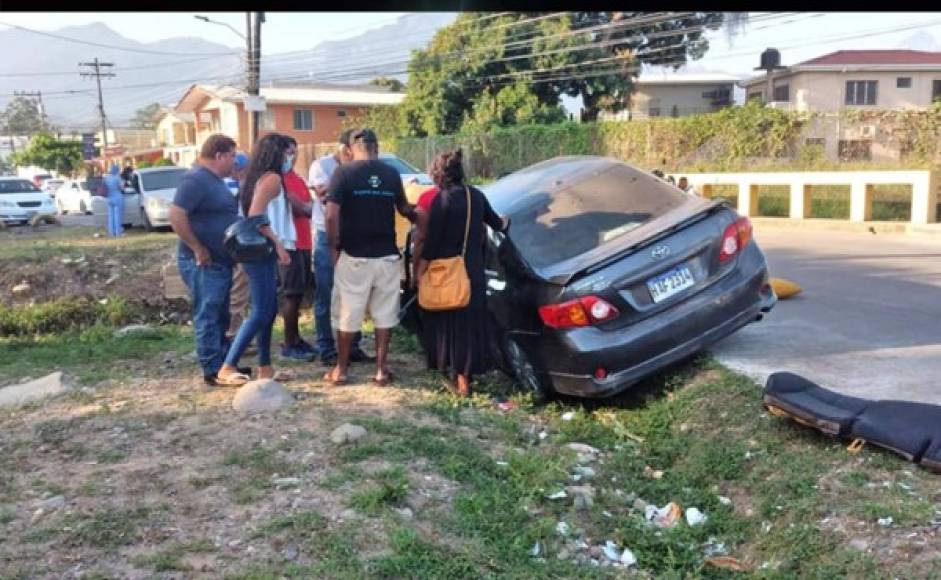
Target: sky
798 36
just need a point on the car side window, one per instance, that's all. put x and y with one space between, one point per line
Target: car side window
135 183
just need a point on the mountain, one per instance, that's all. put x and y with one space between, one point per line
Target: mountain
143 77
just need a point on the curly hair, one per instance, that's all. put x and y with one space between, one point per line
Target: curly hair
447 170
267 156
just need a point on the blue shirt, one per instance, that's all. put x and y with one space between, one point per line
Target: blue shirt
211 209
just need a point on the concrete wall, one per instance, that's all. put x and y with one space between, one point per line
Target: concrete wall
687 99
925 190
825 91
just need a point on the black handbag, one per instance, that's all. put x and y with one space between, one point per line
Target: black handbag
244 241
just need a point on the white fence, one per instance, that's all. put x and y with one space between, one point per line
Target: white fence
924 186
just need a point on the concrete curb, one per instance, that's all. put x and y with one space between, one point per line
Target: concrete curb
892 228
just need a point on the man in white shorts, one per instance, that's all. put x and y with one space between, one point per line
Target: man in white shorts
362 199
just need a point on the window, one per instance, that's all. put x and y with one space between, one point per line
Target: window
903 83
303 120
855 150
341 112
782 93
935 91
861 92
267 120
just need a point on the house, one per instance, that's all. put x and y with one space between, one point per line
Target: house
176 134
676 95
880 79
311 113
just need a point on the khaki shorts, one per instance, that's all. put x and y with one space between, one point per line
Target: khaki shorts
365 286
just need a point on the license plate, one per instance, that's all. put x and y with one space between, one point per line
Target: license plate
670 283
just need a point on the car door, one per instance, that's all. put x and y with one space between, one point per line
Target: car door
132 208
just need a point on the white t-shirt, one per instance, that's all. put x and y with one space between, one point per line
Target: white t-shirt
320 172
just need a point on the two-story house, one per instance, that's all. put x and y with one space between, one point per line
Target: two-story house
883 79
676 95
310 113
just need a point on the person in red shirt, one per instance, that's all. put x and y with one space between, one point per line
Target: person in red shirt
297 278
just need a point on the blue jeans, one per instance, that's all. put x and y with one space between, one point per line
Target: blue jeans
115 215
263 284
323 276
209 286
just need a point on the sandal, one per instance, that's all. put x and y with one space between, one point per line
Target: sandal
232 380
384 381
334 381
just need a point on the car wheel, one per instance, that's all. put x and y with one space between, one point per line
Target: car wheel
520 363
144 218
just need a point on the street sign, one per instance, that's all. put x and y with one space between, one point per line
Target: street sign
88 146
255 103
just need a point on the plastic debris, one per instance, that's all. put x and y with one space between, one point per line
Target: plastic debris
506 405
724 500
628 558
558 495
568 415
694 517
665 517
502 463
727 563
582 448
885 522
537 550
607 514
563 529
714 547
611 551
543 435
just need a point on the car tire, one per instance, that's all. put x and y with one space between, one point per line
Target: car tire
146 220
526 374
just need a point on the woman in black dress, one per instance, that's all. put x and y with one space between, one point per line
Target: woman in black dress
456 342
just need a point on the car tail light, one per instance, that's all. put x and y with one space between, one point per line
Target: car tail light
601 373
735 238
579 312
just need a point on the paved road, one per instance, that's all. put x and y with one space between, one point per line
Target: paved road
867 324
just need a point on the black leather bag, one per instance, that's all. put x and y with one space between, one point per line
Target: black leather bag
244 241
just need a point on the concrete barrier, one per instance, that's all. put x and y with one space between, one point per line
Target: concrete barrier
924 185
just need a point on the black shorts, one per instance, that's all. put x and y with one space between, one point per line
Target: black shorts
296 279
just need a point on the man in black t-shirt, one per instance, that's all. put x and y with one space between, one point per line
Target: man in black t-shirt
362 199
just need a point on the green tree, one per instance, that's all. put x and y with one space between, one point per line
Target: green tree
163 162
147 117
22 117
388 83
594 55
44 150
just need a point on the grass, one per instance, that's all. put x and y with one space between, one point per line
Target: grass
390 488
74 242
90 355
255 466
107 528
170 559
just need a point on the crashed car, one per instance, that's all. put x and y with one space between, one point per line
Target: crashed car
608 275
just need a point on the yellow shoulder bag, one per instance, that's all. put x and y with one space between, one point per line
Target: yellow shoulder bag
445 285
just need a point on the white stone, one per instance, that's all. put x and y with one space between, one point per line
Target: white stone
21 289
347 433
134 329
262 395
583 448
32 390
52 504
694 517
286 482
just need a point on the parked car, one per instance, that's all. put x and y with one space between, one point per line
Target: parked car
40 178
52 185
608 274
20 200
76 195
156 187
409 173
132 214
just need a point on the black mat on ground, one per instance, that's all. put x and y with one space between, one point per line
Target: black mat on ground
913 430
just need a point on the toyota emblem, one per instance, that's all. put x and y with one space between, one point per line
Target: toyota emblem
660 252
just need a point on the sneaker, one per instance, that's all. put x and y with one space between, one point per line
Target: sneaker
306 347
295 353
358 356
329 361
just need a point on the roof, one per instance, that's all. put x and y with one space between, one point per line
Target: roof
687 79
861 60
308 94
876 57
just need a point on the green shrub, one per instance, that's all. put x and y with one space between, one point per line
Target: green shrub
64 314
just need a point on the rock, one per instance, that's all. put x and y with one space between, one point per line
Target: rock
568 416
694 517
135 329
53 504
262 395
349 514
585 471
37 515
640 505
563 529
583 496
290 552
724 500
32 390
583 448
596 551
21 289
347 433
235 543
563 554
286 482
859 544
885 522
405 513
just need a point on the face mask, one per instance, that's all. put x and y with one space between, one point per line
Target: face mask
288 164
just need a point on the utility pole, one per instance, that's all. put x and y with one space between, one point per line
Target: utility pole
96 65
255 75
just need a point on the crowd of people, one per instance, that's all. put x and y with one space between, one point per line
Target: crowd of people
333 236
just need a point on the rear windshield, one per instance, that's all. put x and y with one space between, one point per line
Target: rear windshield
16 186
162 179
401 166
558 214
